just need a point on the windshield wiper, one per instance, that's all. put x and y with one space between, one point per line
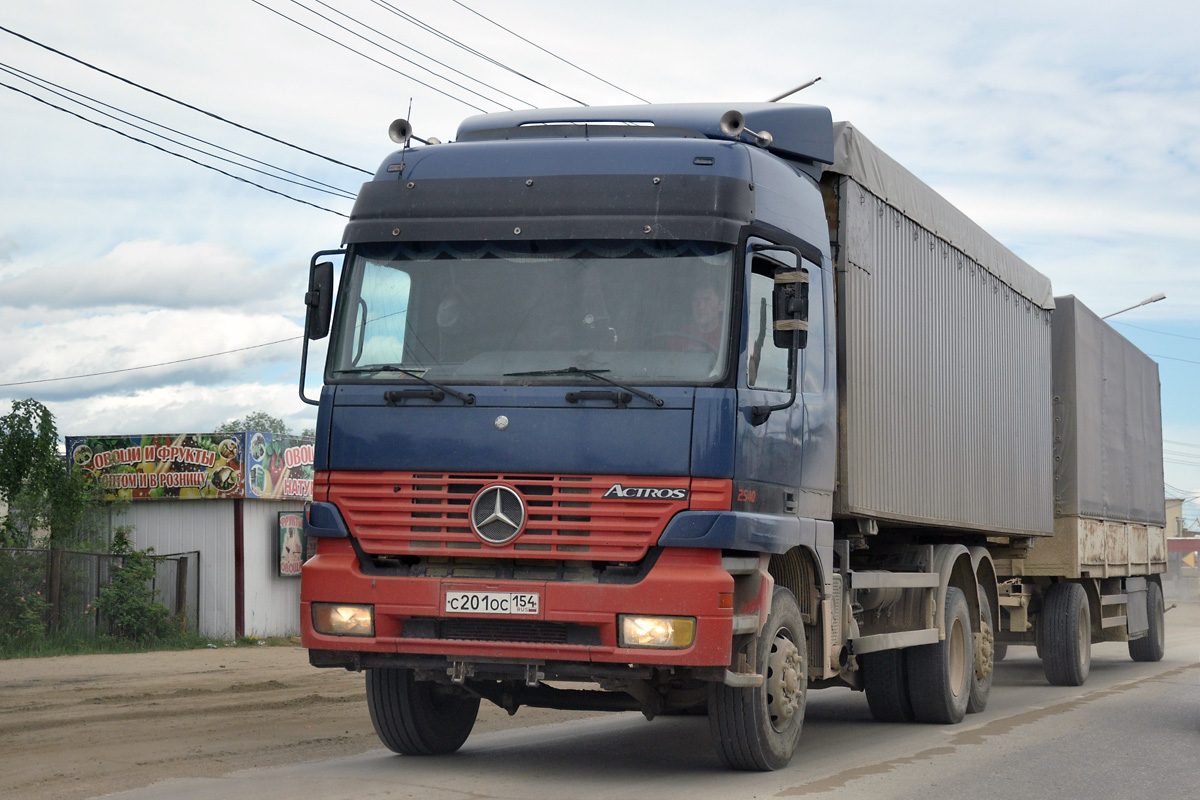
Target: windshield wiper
467 399
594 374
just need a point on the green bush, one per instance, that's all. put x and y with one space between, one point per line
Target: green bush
23 606
127 602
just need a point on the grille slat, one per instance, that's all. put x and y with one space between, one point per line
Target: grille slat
401 513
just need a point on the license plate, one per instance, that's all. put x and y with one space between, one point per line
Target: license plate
492 602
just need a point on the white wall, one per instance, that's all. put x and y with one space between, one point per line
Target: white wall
180 526
272 602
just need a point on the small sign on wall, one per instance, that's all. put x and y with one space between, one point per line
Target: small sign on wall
290 543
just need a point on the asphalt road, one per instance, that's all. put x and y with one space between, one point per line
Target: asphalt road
1132 731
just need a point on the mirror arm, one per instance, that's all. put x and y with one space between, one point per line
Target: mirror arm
760 414
311 298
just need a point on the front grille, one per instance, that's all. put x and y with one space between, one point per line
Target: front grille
501 630
428 514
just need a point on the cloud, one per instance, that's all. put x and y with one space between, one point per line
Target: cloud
157 275
187 408
8 249
118 340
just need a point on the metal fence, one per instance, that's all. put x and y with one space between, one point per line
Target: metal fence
64 585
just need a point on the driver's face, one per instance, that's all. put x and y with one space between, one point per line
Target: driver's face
706 308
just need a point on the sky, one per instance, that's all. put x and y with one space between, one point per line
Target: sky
1068 130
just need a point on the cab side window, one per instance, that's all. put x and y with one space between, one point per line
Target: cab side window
767 364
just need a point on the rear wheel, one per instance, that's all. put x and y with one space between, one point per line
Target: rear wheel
940 675
886 686
1066 635
758 728
418 718
981 685
999 651
1151 646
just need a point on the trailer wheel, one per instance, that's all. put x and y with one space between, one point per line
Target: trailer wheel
1066 635
985 652
885 685
999 651
940 675
758 728
1151 646
418 718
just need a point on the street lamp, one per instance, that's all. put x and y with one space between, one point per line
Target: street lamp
1146 302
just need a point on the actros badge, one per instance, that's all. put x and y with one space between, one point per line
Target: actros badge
646 492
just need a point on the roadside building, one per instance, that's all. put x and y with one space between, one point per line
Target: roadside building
234 501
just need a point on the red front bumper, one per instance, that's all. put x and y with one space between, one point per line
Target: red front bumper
683 583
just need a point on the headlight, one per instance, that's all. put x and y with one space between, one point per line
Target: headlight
668 632
341 619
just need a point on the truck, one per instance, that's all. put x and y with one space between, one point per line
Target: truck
694 408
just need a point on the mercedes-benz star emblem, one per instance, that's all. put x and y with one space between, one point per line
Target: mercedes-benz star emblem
497 514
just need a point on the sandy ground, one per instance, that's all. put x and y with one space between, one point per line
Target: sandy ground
81 726
78 727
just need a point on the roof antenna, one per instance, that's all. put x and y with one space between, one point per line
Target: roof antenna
799 88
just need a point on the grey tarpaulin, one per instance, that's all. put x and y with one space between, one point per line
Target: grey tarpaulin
1107 421
857 157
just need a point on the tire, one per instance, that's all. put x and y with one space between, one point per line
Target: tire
999 651
940 675
759 728
1066 635
1151 646
418 718
886 686
981 683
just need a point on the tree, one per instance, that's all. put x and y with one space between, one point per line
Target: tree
40 492
30 466
256 421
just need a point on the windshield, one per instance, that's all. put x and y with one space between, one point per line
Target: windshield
644 312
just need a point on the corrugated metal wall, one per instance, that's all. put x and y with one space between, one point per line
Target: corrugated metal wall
944 381
1108 422
179 526
272 602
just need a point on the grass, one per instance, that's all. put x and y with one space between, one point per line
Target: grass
73 645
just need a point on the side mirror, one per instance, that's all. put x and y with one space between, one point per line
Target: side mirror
319 301
790 301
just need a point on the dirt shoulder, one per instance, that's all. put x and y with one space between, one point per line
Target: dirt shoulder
77 727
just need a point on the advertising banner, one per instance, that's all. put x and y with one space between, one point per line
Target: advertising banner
185 466
196 466
278 467
289 548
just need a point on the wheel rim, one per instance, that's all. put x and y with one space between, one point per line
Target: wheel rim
1084 636
785 681
958 657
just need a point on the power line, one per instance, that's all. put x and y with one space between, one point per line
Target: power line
467 48
378 32
1183 444
1160 333
547 52
170 152
180 102
151 366
369 58
1173 358
36 81
33 77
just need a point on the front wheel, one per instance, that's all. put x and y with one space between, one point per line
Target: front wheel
758 728
1151 646
418 718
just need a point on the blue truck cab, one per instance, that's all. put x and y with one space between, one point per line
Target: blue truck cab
580 391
